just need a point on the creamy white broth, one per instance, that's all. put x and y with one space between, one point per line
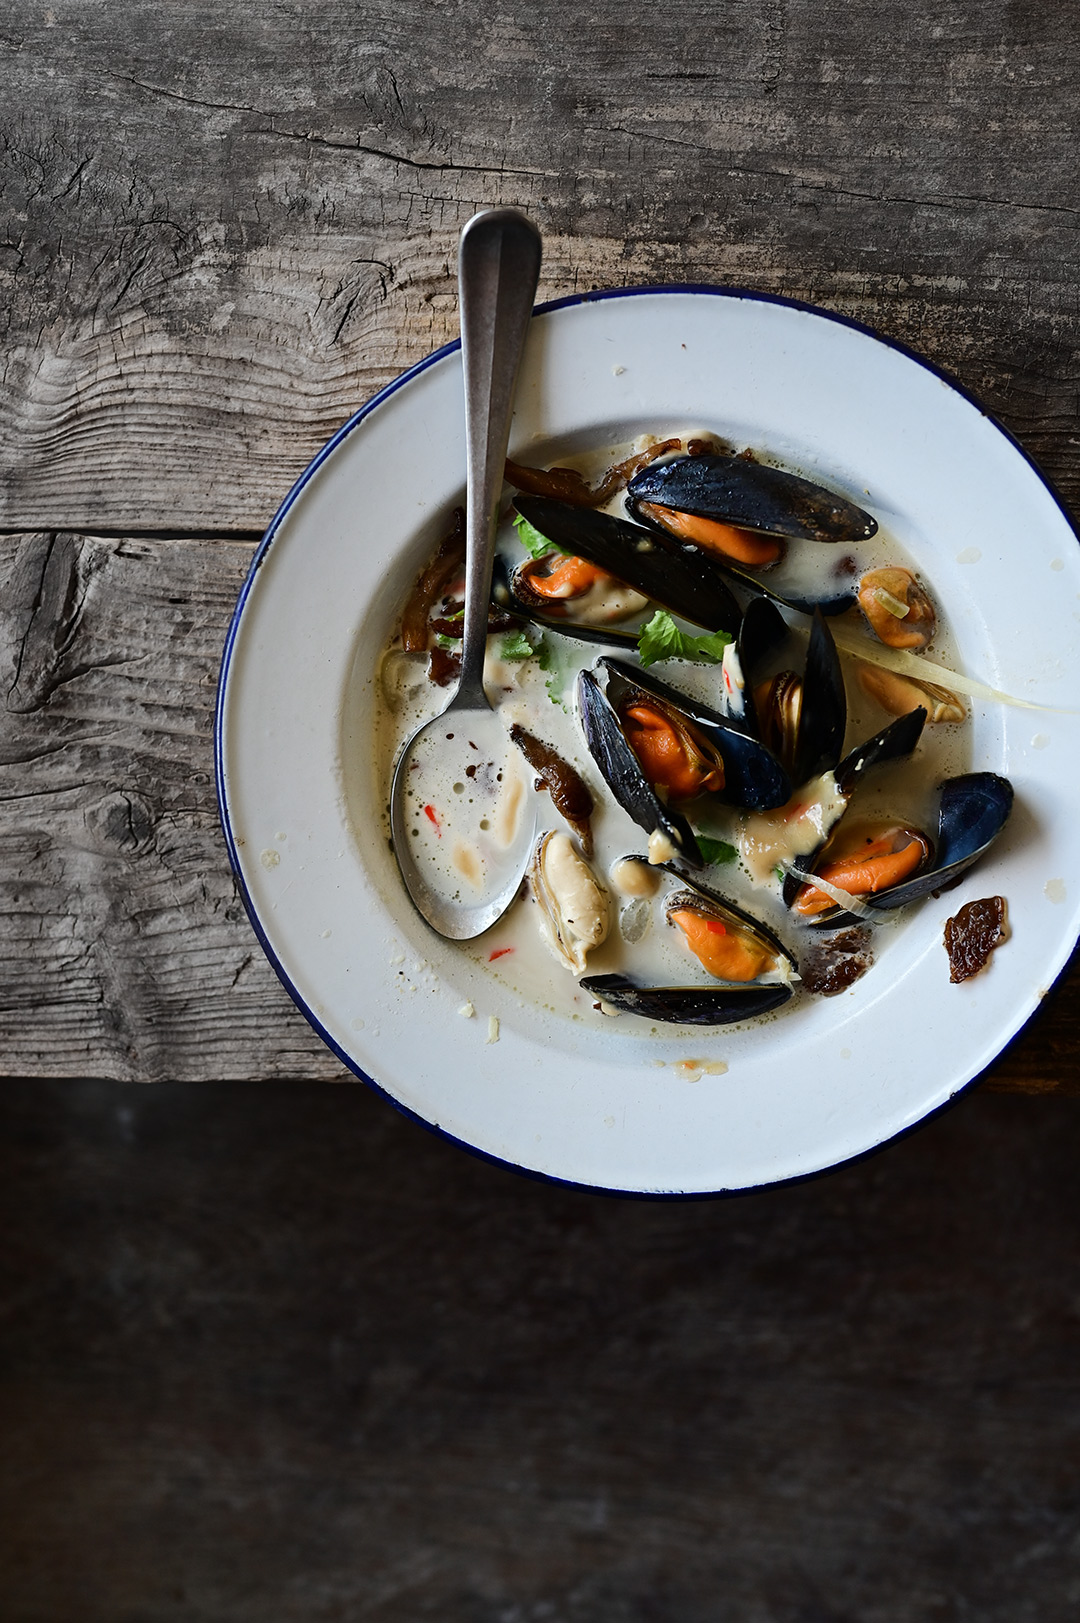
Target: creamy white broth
640 942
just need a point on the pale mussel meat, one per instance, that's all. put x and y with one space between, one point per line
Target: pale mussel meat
575 910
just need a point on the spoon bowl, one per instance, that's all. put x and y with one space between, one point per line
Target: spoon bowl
461 814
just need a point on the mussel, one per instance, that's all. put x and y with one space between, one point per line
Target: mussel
897 609
684 581
514 591
656 746
575 911
724 501
688 1005
750 966
792 836
669 833
973 811
801 718
900 694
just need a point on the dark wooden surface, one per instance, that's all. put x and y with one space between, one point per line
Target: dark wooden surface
268 1352
272 1354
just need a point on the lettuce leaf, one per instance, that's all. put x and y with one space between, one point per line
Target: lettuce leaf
715 852
662 639
535 544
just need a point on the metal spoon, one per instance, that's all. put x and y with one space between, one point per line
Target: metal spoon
498 268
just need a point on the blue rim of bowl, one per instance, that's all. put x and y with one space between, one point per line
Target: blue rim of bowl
750 296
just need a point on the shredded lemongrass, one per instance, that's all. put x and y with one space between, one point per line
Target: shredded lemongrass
917 665
893 605
850 903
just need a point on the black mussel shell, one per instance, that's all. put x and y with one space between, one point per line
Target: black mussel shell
722 905
686 581
753 496
974 809
762 630
721 1004
823 710
505 596
718 1005
899 738
823 717
754 778
621 771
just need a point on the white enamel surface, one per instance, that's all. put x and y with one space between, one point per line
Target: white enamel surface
617 1107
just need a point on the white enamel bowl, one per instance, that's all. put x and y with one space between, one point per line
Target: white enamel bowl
616 1108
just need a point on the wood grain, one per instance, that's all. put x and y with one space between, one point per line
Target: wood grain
222 230
126 952
221 234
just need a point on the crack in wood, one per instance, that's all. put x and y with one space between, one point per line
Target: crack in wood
438 166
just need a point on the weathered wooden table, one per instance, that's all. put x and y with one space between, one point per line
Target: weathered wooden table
270 1354
224 230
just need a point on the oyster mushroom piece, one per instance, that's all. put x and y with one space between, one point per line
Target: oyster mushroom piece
897 609
575 911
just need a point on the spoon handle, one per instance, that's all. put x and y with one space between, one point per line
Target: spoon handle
498 268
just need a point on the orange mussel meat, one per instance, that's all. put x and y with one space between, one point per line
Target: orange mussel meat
865 864
674 756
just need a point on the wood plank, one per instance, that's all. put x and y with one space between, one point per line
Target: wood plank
124 950
221 233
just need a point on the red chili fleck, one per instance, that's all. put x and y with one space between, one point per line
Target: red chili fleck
430 812
500 952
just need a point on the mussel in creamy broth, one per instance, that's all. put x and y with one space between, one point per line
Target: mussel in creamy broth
742 756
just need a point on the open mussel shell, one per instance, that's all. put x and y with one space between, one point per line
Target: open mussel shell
891 744
974 809
684 580
724 1003
721 907
972 813
762 630
752 496
508 592
753 777
622 773
808 736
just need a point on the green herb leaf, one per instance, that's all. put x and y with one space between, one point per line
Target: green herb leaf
553 661
515 645
535 544
662 639
451 644
715 851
